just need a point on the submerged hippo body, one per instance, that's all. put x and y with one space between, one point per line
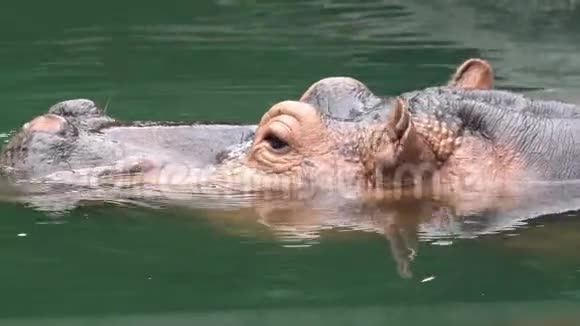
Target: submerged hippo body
464 136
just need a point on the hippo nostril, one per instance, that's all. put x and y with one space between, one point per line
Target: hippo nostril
49 123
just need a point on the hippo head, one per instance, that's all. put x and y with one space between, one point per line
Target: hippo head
341 136
297 146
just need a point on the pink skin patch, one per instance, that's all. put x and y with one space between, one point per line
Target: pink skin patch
49 123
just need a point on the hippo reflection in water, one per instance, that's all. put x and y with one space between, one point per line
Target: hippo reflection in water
338 136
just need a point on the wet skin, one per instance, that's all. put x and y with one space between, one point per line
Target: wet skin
459 140
76 136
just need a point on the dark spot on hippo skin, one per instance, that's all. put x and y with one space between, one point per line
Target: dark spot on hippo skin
309 163
233 150
353 113
221 157
141 166
350 151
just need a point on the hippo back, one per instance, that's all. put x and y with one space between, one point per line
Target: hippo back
546 134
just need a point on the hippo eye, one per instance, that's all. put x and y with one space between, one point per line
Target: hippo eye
276 143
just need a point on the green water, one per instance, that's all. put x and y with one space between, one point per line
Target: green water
229 60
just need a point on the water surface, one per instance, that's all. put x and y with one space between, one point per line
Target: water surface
123 263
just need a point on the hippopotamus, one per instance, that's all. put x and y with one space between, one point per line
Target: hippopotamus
331 133
464 137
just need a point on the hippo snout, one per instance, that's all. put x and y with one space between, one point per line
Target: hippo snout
83 113
76 108
46 142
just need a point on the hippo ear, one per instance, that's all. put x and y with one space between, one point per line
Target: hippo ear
400 120
397 144
473 74
403 133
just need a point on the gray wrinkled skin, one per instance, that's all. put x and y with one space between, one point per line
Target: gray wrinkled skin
546 134
343 98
